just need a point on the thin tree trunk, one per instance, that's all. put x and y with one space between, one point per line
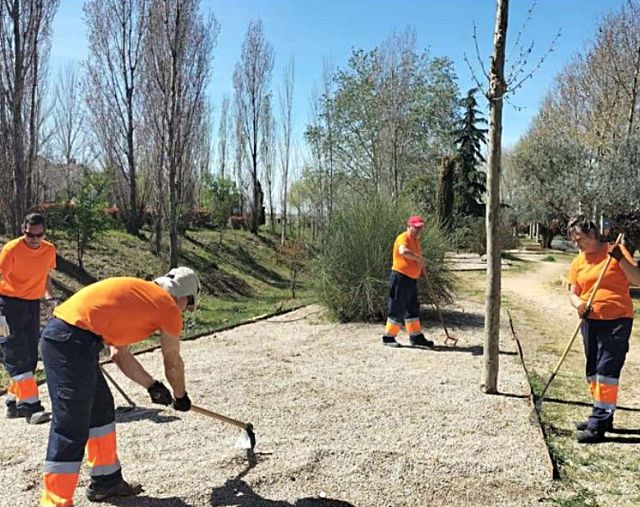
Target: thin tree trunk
497 88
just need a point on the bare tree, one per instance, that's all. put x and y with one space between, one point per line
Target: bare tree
268 156
24 37
179 45
68 114
223 136
495 95
251 81
116 31
286 115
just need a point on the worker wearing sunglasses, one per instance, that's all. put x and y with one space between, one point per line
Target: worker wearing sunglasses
25 266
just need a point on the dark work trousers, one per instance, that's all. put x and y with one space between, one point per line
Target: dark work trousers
80 398
606 343
403 298
20 348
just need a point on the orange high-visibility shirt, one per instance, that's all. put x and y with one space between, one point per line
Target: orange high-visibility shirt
401 264
612 301
25 270
122 310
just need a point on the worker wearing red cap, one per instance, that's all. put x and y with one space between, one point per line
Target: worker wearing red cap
408 266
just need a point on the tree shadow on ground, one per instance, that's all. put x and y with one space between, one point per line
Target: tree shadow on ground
250 265
148 501
589 405
452 318
236 492
156 415
74 271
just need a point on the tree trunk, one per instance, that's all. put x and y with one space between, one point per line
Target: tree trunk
445 191
497 88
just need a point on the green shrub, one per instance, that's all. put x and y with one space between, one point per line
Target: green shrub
354 264
470 234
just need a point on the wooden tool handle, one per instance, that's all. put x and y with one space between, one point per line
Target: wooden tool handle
219 417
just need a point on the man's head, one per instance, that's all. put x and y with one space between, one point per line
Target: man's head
415 223
584 234
33 229
183 284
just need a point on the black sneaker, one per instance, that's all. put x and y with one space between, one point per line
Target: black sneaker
420 340
589 436
582 425
121 488
390 341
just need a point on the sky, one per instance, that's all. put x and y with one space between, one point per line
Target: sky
312 31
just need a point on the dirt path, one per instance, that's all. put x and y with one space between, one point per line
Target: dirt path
340 420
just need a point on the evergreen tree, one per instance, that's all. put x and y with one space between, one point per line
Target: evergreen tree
470 185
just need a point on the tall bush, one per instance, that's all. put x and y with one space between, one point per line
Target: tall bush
354 265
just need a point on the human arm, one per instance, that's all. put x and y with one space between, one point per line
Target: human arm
408 254
629 268
577 302
131 367
173 364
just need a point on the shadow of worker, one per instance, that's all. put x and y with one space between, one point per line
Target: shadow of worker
236 492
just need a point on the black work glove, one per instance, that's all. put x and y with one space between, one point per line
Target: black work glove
182 404
616 252
584 310
159 393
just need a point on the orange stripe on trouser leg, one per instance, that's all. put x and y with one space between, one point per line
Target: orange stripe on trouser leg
413 326
26 389
12 389
592 389
58 490
391 329
606 393
101 451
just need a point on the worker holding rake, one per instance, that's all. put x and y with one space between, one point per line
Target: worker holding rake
606 324
115 312
407 267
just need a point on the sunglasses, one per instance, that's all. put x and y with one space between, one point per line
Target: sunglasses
34 235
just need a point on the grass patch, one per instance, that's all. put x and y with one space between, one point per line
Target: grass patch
548 258
240 275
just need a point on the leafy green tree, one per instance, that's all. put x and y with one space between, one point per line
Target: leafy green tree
221 197
470 185
85 214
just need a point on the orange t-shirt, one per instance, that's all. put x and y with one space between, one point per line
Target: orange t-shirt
400 263
612 301
122 310
25 270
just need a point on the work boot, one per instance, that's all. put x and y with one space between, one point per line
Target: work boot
121 488
420 340
589 436
33 413
390 341
12 410
583 425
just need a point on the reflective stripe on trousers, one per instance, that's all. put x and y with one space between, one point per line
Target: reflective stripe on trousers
83 413
606 343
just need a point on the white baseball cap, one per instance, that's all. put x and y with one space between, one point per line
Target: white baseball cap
180 282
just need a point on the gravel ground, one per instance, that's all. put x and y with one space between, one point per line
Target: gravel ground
340 421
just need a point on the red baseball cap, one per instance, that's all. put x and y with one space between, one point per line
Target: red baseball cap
415 221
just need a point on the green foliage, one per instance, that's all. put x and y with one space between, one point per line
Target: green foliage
470 184
221 197
549 258
470 233
421 191
83 215
445 192
353 267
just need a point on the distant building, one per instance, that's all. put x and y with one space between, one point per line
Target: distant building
52 180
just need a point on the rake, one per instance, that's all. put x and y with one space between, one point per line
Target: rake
538 404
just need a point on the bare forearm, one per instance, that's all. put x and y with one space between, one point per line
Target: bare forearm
174 371
49 288
631 271
132 368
